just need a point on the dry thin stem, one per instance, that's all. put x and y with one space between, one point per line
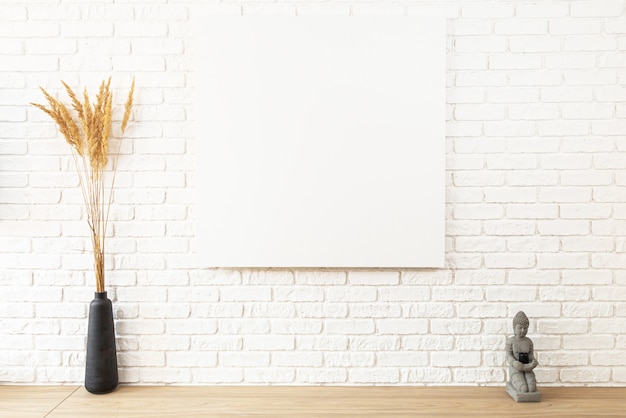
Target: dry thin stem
90 151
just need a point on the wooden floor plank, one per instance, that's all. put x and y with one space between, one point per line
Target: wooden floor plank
31 401
255 401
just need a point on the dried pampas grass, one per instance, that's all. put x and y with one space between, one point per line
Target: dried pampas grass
89 141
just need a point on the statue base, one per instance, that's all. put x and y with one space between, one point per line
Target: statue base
522 396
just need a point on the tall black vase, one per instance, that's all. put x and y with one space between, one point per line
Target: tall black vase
101 364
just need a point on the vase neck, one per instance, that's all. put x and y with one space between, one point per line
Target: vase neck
100 295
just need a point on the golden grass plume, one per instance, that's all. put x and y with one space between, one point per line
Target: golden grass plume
90 149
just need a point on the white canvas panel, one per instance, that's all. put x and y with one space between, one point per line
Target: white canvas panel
320 141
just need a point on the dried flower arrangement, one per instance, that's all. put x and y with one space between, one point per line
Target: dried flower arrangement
90 150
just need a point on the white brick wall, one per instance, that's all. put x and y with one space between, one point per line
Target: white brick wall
536 210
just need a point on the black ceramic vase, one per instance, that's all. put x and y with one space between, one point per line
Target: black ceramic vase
101 364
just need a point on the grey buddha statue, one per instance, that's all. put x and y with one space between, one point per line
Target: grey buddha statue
522 385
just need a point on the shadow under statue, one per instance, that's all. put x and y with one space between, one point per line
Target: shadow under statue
522 385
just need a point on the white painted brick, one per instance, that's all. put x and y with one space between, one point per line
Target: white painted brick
589 43
297 326
405 359
455 326
374 375
323 9
478 244
541 277
269 375
532 178
404 294
426 277
310 359
470 27
575 26
587 277
465 95
477 44
298 294
374 310
479 78
614 326
349 326
480 277
595 375
270 310
216 375
322 310
269 343
457 294
511 294
245 293
373 278
322 375
243 326
564 293
325 343
170 375
539 309
402 326
587 243
570 61
521 27
538 10
514 62
29 30
510 194
191 359
615 261
455 358
479 375
481 310
487 11
596 9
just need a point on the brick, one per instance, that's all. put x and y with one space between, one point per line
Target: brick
541 277
140 29
481 277
427 310
595 375
491 11
324 343
539 10
298 359
562 293
404 294
269 343
532 211
587 111
566 94
217 375
589 43
587 277
570 60
402 359
478 244
374 375
595 9
477 44
457 294
373 278
322 375
511 294
562 326
402 326
375 310
521 27
455 359
269 375
460 27
575 26
349 326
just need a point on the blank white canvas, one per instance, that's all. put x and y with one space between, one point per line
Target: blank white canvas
320 141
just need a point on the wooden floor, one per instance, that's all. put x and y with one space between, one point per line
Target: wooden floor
256 401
